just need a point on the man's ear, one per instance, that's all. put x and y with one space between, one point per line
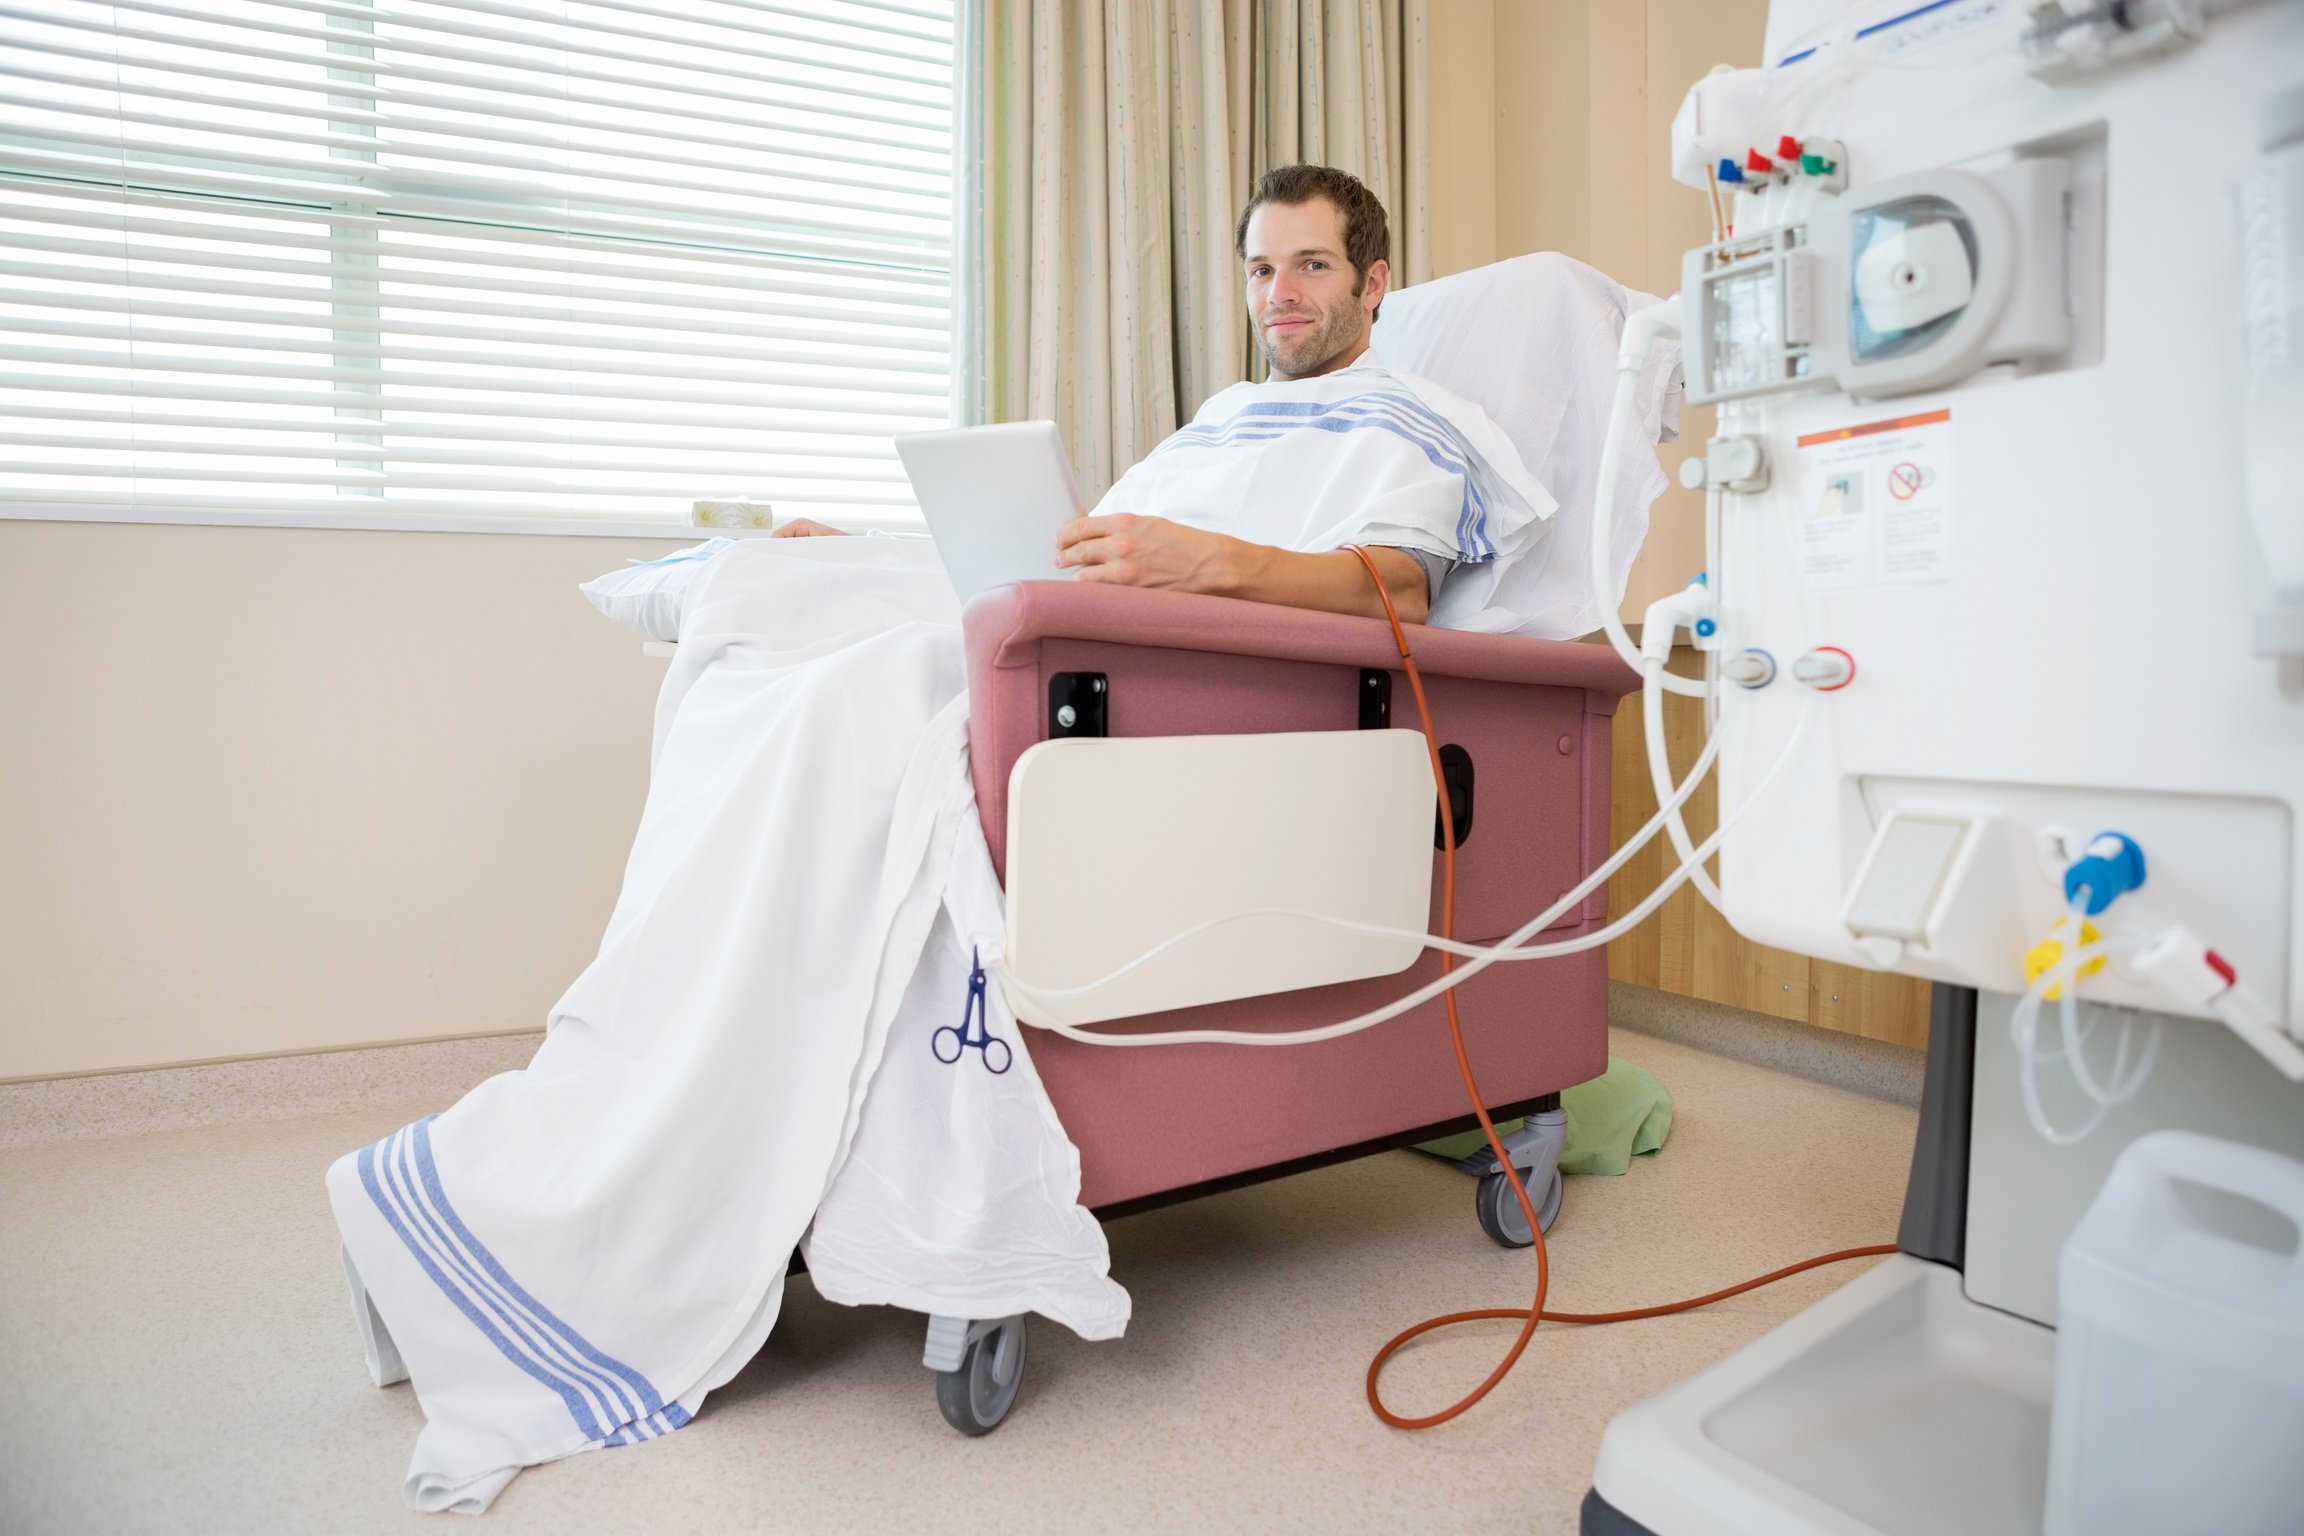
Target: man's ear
1373 286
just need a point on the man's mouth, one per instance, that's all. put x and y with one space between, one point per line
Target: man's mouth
1288 323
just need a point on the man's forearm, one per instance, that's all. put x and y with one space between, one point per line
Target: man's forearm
1133 550
1334 583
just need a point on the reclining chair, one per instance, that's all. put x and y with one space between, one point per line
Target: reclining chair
1533 716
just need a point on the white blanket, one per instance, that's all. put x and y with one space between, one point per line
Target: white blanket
576 1253
960 1194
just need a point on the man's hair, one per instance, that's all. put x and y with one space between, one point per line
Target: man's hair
1367 235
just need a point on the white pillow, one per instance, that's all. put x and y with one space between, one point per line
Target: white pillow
648 595
1532 341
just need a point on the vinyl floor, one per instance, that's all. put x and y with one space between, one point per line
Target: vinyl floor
177 1356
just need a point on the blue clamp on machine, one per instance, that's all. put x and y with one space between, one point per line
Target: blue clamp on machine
2111 867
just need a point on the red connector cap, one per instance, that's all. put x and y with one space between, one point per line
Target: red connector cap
1756 161
1788 148
1827 669
2220 966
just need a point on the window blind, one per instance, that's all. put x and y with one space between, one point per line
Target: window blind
472 259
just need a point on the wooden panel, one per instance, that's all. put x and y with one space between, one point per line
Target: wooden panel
1878 1005
1688 948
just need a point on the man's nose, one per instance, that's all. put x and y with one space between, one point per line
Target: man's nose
1283 290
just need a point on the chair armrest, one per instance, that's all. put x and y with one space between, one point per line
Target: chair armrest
1005 624
1182 663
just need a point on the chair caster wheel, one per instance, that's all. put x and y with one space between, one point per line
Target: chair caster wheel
1500 1214
978 1395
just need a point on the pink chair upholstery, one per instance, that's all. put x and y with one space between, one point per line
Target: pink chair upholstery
1535 716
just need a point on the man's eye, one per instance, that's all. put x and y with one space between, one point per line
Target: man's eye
1317 266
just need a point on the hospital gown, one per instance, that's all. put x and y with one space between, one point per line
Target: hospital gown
1365 455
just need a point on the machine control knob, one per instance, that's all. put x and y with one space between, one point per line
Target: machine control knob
1737 464
1827 669
1750 668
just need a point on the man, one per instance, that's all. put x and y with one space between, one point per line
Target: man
1255 497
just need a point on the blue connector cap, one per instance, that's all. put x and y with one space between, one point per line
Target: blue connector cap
1729 170
2111 868
1750 668
1706 629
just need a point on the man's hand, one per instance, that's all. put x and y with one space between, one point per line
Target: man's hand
1134 551
806 528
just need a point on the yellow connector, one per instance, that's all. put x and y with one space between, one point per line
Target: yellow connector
2043 955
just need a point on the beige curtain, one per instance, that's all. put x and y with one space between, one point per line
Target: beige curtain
1105 148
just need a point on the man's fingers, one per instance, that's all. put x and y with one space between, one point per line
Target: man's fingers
1098 549
1084 528
1112 548
1101 558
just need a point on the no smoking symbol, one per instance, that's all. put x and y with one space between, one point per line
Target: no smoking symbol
1905 480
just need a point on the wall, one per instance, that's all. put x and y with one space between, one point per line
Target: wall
1460 38
269 789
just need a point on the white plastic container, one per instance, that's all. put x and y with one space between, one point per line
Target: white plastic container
2180 1347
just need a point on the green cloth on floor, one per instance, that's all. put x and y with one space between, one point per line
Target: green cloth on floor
1611 1120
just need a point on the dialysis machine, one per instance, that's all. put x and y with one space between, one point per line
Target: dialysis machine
2005 324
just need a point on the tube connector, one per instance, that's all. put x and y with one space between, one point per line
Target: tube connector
1827 669
2188 971
1690 607
1641 328
1750 668
2110 867
1824 162
2190 974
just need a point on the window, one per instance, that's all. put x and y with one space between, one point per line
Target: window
413 262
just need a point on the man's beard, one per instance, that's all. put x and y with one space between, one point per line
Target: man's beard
1311 347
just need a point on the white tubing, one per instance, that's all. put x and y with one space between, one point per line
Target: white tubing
2118 1089
1604 513
1660 775
2023 1031
1515 947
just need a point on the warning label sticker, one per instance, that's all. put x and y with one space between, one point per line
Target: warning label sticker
1875 503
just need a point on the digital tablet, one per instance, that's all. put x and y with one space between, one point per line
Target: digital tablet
994 498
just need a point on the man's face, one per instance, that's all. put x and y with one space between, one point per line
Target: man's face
1301 298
